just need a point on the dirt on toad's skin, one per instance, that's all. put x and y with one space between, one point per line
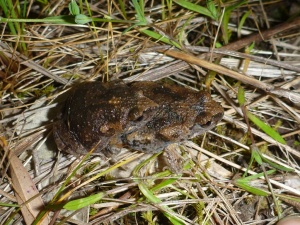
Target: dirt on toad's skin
144 116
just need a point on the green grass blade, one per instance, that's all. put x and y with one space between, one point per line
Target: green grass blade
73 8
52 19
246 186
152 198
243 19
5 9
241 96
123 10
139 13
266 128
277 166
161 38
256 176
164 183
244 183
212 8
9 205
255 154
149 193
82 19
226 18
83 202
194 7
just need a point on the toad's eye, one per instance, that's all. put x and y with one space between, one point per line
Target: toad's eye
135 115
207 124
139 119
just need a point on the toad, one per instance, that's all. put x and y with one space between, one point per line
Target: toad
145 116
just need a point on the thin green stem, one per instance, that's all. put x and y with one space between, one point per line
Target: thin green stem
59 19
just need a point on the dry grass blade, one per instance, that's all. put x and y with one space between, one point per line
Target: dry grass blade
245 79
19 58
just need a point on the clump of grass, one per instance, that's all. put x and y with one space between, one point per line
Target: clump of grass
48 47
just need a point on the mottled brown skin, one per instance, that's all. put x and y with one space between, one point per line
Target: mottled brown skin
144 116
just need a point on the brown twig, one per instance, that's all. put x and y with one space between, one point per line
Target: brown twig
257 37
222 70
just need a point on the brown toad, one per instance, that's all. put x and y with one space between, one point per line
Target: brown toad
144 116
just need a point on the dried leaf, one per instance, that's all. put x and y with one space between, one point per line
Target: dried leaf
25 190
